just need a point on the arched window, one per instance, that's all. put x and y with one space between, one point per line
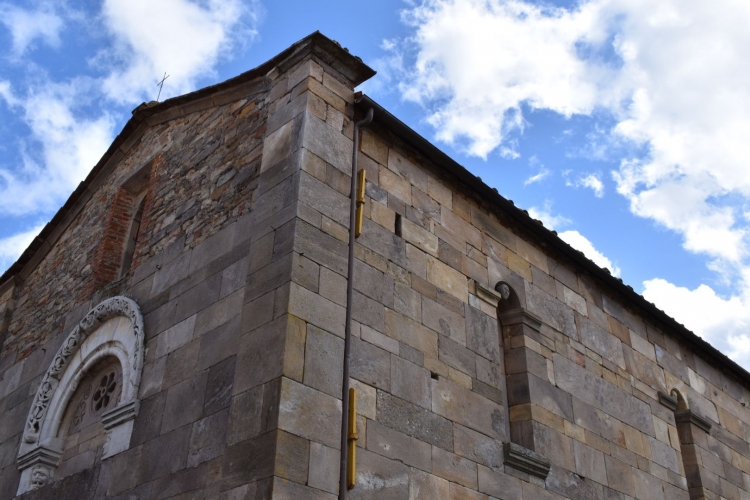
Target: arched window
692 430
92 381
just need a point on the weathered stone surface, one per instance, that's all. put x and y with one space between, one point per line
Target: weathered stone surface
600 341
311 414
498 485
482 334
466 408
448 279
324 468
324 361
379 478
184 402
398 446
411 333
443 320
208 438
414 421
552 311
619 475
410 382
370 364
571 485
261 356
292 457
601 394
317 310
454 468
478 448
424 486
288 490
245 415
590 463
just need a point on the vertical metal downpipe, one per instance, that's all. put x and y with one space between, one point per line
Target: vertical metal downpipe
349 295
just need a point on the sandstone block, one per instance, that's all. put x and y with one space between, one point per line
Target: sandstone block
208 438
308 413
410 382
414 421
411 333
324 361
379 478
552 311
397 446
419 237
499 485
424 486
590 463
324 468
443 320
370 364
601 394
462 406
184 402
316 309
454 468
600 341
457 356
292 457
478 448
448 279
326 142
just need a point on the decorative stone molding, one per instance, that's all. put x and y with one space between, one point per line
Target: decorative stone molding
525 460
668 401
491 297
114 328
683 416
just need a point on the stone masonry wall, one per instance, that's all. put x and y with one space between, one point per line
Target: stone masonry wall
216 234
428 357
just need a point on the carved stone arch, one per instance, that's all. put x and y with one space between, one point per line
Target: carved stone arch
112 329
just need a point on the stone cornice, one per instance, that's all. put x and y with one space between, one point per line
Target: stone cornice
668 401
525 460
682 416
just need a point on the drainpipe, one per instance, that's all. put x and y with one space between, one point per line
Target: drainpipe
349 294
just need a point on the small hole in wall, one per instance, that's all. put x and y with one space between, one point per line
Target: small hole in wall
397 228
435 376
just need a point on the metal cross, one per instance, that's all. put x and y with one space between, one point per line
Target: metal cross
161 85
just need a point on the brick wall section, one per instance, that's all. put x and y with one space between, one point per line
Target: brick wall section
108 254
205 180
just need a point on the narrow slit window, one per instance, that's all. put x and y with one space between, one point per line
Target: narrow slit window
135 225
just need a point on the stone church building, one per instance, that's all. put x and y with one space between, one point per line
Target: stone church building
177 329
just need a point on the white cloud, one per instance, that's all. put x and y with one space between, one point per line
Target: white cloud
724 322
27 26
184 38
580 242
591 181
543 174
544 214
11 247
671 75
69 146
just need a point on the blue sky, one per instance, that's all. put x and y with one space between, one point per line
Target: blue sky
622 124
